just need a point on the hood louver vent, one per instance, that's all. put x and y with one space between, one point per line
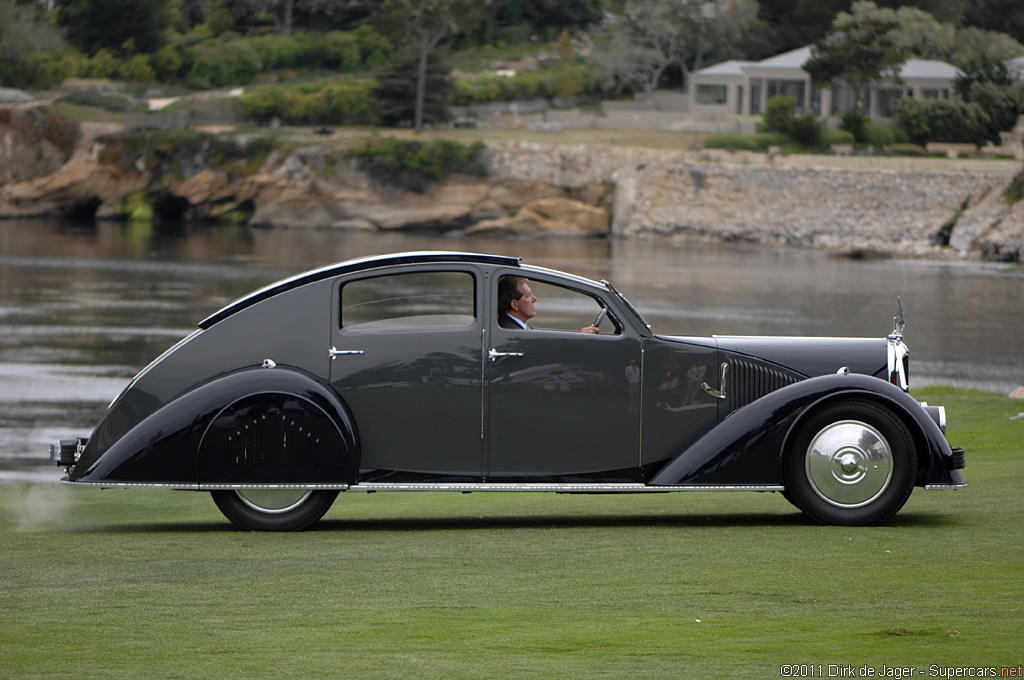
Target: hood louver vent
751 380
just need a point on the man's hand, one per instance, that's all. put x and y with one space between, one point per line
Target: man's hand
593 330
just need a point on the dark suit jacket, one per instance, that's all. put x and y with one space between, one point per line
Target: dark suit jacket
506 321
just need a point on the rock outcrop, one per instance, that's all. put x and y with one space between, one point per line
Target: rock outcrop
916 207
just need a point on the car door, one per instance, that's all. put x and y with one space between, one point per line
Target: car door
560 403
406 356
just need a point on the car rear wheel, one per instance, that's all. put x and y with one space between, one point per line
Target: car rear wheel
852 463
273 509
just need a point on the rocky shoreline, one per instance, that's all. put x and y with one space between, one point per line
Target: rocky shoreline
934 208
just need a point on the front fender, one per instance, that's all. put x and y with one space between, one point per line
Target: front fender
228 431
746 447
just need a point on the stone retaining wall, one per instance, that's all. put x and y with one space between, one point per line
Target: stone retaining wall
896 205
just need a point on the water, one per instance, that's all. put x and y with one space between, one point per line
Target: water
83 309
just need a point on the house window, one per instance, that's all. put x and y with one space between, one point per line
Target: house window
711 95
930 93
794 88
755 97
739 100
887 98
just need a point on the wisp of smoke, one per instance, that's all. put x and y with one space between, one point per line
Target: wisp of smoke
36 506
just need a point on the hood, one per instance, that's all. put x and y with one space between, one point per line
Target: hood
813 356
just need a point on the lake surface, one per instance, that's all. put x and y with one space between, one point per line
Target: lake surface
83 309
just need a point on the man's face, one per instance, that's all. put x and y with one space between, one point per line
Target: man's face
524 305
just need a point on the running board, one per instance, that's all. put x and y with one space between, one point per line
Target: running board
468 487
557 488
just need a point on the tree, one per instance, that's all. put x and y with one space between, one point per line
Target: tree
795 23
24 33
647 37
1006 16
397 89
859 51
913 31
422 25
569 79
96 24
987 82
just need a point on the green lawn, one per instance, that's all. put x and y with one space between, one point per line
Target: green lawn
139 584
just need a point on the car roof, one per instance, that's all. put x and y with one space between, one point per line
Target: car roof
357 264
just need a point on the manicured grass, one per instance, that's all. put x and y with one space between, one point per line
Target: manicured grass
156 584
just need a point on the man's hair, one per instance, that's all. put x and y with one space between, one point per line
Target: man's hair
509 288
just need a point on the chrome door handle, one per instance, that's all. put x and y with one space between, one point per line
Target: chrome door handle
334 352
719 393
494 354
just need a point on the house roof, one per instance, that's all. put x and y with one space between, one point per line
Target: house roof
795 60
928 68
1016 66
732 67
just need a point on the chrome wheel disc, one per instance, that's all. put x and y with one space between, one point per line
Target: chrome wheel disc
849 464
273 500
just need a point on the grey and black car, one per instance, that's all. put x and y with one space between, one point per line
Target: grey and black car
393 373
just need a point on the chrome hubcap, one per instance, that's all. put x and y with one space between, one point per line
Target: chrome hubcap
849 464
273 501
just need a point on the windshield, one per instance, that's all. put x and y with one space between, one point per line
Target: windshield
627 303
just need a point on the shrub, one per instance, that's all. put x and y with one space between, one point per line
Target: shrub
937 120
830 137
780 116
899 149
411 164
1015 192
806 130
856 122
343 102
778 113
755 142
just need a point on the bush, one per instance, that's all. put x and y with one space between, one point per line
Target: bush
831 137
806 130
856 122
907 150
342 102
937 120
755 142
411 164
778 113
780 116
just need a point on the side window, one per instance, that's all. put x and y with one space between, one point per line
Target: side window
564 309
413 300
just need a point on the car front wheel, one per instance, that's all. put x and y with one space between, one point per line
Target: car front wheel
273 509
852 463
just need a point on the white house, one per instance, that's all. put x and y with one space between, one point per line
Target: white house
743 87
1016 67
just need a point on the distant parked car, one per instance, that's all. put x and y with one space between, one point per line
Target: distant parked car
397 373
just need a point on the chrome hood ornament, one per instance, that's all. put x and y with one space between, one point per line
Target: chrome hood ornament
899 322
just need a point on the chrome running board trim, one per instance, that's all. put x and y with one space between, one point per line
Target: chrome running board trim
944 487
460 487
558 488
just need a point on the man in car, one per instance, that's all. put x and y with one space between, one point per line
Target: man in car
515 304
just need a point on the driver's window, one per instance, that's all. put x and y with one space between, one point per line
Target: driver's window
564 309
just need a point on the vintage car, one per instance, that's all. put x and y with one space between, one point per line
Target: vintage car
395 373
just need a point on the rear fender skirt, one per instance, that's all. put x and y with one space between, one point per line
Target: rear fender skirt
746 446
166 447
